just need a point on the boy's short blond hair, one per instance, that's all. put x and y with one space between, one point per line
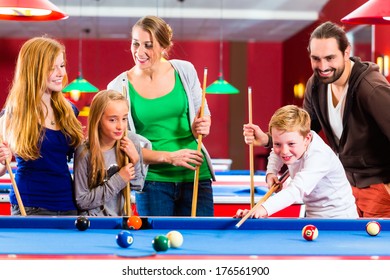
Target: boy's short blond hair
290 118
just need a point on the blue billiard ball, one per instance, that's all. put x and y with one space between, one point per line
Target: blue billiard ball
124 239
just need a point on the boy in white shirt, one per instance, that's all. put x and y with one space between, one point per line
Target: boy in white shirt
317 175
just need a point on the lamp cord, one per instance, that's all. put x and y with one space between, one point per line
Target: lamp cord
80 54
221 39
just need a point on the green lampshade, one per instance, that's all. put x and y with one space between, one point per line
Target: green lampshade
80 84
220 86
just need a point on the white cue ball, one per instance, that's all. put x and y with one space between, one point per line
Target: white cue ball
373 228
175 238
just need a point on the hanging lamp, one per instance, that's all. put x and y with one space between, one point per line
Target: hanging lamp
371 12
30 10
79 85
220 86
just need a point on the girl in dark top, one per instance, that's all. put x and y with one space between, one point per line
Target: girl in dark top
41 129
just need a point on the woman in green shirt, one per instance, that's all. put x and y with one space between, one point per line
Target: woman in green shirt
165 98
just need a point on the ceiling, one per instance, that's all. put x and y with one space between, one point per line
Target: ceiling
244 20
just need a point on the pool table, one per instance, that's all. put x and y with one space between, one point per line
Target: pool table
204 238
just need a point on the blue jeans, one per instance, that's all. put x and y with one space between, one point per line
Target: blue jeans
174 199
31 211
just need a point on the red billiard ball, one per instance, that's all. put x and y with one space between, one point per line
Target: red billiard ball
82 223
134 222
310 232
161 243
124 239
373 228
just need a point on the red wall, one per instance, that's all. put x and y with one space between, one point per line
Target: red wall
265 76
296 65
8 53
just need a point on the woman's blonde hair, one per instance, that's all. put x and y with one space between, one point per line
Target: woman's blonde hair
99 104
290 118
24 114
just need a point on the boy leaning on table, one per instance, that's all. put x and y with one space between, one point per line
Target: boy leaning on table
317 175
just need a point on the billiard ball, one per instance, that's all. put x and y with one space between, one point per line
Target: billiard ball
134 222
124 239
160 243
310 232
373 228
175 238
82 223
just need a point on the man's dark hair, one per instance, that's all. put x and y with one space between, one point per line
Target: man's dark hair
330 30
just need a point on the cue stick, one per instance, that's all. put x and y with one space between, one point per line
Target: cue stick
251 164
16 190
274 187
14 185
197 170
126 191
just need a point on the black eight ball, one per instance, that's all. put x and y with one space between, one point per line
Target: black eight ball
82 223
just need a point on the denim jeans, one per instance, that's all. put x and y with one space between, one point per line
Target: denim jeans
174 199
31 211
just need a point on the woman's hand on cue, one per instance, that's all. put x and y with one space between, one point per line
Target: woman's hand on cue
186 158
201 126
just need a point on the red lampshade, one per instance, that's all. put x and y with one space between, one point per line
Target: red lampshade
372 12
30 10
